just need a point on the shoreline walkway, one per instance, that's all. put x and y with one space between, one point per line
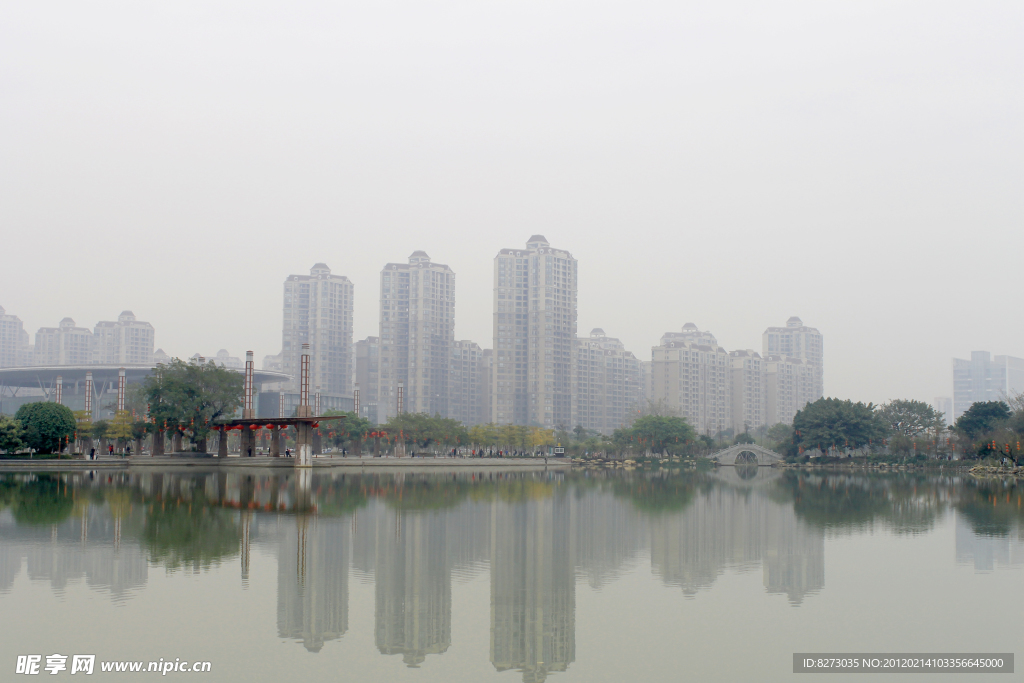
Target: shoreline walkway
264 462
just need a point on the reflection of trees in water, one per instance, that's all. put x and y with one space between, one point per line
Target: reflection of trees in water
421 492
992 508
908 504
37 499
339 495
659 493
189 532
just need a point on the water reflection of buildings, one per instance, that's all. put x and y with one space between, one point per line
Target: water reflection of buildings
412 556
533 587
735 528
413 586
86 545
312 579
534 535
609 537
794 561
986 552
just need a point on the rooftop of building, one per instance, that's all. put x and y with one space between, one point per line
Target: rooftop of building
415 264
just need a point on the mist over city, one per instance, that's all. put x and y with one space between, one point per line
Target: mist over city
855 165
542 341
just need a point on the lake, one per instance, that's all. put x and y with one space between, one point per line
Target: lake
506 576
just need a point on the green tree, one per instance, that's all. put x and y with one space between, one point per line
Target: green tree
100 429
84 422
901 444
908 417
11 435
48 426
192 395
422 430
780 435
657 432
981 417
832 422
139 429
121 426
352 429
745 437
485 435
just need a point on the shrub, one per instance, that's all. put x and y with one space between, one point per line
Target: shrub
48 426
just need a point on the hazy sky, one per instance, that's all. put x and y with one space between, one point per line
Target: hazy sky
859 164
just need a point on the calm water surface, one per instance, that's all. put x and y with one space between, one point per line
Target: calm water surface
522 576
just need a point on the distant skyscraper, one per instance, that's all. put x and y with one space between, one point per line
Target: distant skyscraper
225 360
534 333
487 386
126 341
65 345
13 341
796 340
318 312
984 378
368 376
691 374
646 382
606 385
46 350
466 367
749 379
417 328
789 386
944 405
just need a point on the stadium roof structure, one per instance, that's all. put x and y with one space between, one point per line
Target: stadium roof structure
45 376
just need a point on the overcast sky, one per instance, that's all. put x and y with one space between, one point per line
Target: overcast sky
858 164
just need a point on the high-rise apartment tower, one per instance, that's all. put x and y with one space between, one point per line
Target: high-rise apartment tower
985 378
692 375
534 332
417 328
607 385
318 312
14 344
368 376
796 340
125 341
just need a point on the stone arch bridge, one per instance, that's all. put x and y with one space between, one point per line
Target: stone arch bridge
761 455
